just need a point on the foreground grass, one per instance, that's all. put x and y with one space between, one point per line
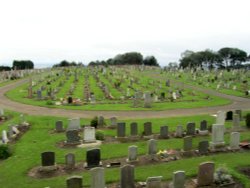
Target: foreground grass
26 153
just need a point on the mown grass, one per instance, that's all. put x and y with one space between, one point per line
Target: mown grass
26 152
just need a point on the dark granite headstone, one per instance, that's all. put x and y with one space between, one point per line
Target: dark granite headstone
133 129
203 125
147 128
229 115
48 158
164 132
74 182
203 147
127 177
191 129
93 158
121 129
206 174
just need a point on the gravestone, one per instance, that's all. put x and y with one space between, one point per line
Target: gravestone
97 177
100 121
133 129
132 153
240 113
191 129
217 136
152 147
203 147
121 129
154 182
72 137
89 134
48 158
164 132
70 100
74 124
236 122
229 115
178 179
93 157
235 140
174 96
113 122
127 177
220 118
137 99
1 112
205 174
74 182
39 94
147 128
5 139
203 125
187 143
59 126
70 161
179 131
147 100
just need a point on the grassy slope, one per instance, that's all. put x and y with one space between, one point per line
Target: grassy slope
39 138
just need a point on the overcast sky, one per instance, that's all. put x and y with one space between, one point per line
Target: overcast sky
48 31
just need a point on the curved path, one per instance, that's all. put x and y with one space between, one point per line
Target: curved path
237 103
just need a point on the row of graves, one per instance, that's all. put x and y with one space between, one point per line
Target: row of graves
15 131
96 166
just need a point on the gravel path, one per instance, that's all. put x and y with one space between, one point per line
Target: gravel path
237 103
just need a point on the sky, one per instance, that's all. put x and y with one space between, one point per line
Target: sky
49 31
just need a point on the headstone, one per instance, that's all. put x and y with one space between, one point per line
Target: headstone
39 94
154 182
72 137
187 143
236 121
217 136
5 139
137 99
203 147
235 140
220 119
93 158
59 126
70 160
74 182
152 147
48 158
89 134
191 129
132 153
179 131
21 119
229 115
100 121
70 100
97 177
133 129
178 179
203 125
127 177
164 132
121 129
174 96
148 100
147 128
74 124
239 112
205 174
113 122
1 112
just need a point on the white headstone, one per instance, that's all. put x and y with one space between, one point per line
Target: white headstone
220 118
89 134
235 140
5 139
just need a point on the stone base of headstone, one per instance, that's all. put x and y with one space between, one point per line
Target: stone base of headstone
178 136
61 131
132 162
112 127
148 137
48 169
113 165
24 124
203 133
234 148
163 137
89 167
187 153
72 143
122 139
134 138
88 141
220 146
90 145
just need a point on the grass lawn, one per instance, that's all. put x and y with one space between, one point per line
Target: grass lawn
26 152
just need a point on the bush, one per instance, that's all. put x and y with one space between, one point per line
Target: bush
4 151
99 135
50 102
94 122
248 120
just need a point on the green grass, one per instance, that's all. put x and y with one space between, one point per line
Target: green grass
26 152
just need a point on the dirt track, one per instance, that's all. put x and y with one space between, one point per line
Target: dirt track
237 103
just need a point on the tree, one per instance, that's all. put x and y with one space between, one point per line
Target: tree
22 64
150 61
5 68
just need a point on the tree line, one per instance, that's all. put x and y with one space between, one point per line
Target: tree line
224 58
18 65
129 58
66 63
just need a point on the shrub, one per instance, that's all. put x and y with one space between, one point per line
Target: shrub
99 135
4 151
248 120
94 122
50 102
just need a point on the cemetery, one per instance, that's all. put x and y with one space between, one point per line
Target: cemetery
63 148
